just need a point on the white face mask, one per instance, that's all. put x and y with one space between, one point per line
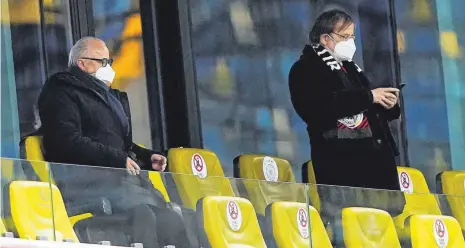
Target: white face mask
345 50
106 74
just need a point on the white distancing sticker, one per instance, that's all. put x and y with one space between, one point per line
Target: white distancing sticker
233 212
302 222
270 169
405 181
441 235
199 167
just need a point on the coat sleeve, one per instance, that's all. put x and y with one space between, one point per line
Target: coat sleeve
143 155
313 99
390 114
62 129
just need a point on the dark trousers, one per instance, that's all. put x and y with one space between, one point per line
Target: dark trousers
157 227
152 226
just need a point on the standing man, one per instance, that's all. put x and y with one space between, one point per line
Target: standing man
347 120
86 122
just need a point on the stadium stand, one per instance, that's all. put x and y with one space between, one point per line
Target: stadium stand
228 222
451 183
271 179
418 199
435 231
30 210
368 227
290 222
308 176
185 162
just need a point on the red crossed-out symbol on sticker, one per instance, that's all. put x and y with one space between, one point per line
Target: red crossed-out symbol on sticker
303 218
198 163
405 179
440 228
233 211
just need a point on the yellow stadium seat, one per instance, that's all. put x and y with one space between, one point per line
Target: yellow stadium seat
308 176
155 178
209 177
30 211
269 170
35 154
228 222
368 227
2 228
289 223
418 199
157 181
452 185
435 231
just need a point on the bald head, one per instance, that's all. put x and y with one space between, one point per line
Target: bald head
88 47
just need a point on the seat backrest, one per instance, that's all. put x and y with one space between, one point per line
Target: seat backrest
452 185
34 153
228 222
2 228
368 227
290 225
209 177
435 231
418 199
277 181
157 181
308 176
31 211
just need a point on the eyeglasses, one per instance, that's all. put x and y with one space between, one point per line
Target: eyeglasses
104 61
345 37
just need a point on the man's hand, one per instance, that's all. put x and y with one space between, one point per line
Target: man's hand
131 167
386 97
158 162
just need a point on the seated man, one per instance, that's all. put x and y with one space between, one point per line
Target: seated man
86 122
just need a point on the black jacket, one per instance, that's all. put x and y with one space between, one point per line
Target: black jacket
322 96
80 127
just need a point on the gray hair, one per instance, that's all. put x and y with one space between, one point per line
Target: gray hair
79 50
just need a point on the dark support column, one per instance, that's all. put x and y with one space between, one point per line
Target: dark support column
177 74
82 19
380 55
152 73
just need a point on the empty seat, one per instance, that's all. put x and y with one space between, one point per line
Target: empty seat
451 183
308 176
34 152
228 222
277 181
31 211
208 179
289 222
418 199
368 227
2 228
435 231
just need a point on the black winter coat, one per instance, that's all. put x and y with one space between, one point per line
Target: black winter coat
324 93
80 127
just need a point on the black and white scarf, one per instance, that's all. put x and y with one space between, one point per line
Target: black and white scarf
351 127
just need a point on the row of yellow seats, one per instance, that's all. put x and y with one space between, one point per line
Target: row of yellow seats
204 163
223 221
230 221
419 200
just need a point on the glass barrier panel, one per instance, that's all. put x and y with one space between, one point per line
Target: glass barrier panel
360 217
162 209
26 202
